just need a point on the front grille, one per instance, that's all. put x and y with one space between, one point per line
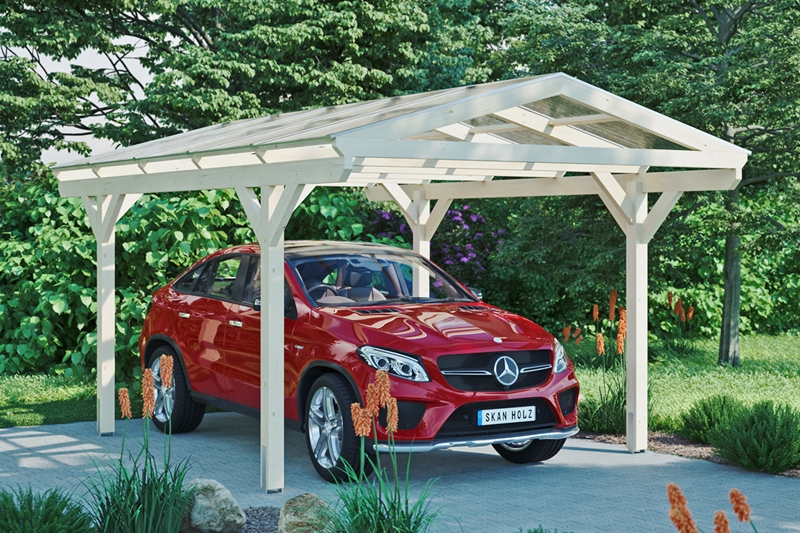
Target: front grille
566 400
485 361
381 311
409 415
463 423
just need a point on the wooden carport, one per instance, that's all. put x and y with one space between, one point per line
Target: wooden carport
548 135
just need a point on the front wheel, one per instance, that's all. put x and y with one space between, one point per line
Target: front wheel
173 404
529 451
331 439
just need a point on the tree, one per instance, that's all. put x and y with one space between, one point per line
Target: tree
728 69
216 60
206 61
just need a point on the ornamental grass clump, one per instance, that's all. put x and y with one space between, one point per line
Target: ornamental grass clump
682 519
383 504
705 415
144 497
763 437
23 511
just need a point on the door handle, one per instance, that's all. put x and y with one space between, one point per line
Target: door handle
235 323
183 315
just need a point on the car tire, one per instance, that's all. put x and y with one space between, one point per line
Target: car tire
329 424
532 451
174 406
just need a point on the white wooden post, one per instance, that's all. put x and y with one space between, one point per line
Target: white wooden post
268 218
421 242
636 299
423 223
103 213
628 206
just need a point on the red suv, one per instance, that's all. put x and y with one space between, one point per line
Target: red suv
464 373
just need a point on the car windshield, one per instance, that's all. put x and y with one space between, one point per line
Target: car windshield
373 278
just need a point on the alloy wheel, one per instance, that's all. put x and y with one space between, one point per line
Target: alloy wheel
165 398
325 426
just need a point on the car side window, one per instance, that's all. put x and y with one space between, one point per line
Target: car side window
252 280
225 277
187 282
252 289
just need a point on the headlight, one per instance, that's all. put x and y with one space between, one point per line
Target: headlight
561 357
396 364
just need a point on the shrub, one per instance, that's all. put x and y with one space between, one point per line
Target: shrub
605 413
22 511
697 423
765 437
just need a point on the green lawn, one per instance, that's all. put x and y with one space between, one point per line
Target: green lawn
38 399
770 370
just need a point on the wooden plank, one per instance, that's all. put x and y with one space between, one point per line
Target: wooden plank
261 175
584 119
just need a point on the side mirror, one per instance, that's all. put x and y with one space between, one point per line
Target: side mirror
257 304
476 292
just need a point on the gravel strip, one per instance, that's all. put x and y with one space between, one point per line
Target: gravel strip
261 519
672 444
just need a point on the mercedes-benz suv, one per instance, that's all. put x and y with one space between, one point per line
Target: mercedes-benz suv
465 373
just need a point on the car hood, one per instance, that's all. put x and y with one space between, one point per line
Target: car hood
437 329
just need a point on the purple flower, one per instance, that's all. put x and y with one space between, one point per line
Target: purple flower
464 259
474 218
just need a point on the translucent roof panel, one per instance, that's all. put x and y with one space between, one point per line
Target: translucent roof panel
297 126
616 131
629 135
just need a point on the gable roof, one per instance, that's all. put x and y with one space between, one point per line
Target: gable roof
542 126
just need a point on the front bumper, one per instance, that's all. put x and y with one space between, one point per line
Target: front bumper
541 434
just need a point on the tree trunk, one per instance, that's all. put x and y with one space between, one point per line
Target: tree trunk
729 338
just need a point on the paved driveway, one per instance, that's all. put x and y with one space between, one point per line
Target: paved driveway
588 487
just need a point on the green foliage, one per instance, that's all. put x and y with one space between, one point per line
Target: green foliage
22 511
764 437
706 415
48 279
604 411
329 214
231 59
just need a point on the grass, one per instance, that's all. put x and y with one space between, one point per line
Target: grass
768 372
34 400
677 380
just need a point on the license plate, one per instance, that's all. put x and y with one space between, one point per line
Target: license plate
507 415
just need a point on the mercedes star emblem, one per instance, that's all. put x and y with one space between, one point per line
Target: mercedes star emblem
506 371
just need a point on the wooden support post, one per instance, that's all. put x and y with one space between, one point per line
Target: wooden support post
628 205
423 223
268 218
636 299
103 213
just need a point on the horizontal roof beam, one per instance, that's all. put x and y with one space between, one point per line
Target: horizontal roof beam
360 147
313 171
654 182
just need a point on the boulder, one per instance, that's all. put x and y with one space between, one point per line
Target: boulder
303 514
213 509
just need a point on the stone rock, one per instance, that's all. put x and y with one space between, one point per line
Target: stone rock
213 509
303 514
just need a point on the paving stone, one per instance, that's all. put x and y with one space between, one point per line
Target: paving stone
588 487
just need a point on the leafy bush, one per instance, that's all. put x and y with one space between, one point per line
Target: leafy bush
704 416
22 511
606 412
764 437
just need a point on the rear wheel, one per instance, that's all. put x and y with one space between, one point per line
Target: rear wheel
530 451
331 439
174 403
